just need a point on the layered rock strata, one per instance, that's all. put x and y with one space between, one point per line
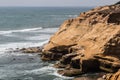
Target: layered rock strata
115 76
88 43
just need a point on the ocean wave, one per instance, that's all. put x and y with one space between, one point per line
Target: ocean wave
48 70
60 76
43 70
21 30
47 30
40 37
72 16
7 47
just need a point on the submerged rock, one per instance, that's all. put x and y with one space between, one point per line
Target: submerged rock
31 50
88 43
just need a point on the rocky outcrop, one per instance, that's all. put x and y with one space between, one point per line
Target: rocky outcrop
111 76
108 63
88 43
30 50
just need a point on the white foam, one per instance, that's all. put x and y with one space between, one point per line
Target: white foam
28 78
72 16
48 70
44 70
50 30
5 47
40 37
22 30
60 76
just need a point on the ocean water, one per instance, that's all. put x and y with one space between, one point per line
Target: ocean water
28 27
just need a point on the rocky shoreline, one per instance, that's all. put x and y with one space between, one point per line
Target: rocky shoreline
88 43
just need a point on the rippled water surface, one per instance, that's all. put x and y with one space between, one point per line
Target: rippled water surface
28 27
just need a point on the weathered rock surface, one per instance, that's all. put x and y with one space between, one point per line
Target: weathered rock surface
93 76
115 76
108 63
88 43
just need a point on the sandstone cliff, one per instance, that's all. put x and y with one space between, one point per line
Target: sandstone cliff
90 42
115 76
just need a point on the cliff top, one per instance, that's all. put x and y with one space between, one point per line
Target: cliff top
105 14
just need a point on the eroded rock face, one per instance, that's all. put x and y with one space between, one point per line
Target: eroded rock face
108 63
115 76
93 32
90 42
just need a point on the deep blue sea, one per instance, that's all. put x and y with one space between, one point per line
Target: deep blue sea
28 27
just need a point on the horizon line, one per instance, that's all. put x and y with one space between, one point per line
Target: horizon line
48 6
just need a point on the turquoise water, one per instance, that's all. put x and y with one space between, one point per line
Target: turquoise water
28 27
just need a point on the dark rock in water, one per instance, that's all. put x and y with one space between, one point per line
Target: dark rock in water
31 50
70 72
27 50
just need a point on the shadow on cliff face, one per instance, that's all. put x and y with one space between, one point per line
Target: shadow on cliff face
114 17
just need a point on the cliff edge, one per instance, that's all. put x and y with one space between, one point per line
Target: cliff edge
88 43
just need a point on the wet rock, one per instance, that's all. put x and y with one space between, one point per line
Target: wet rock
31 50
70 72
60 65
